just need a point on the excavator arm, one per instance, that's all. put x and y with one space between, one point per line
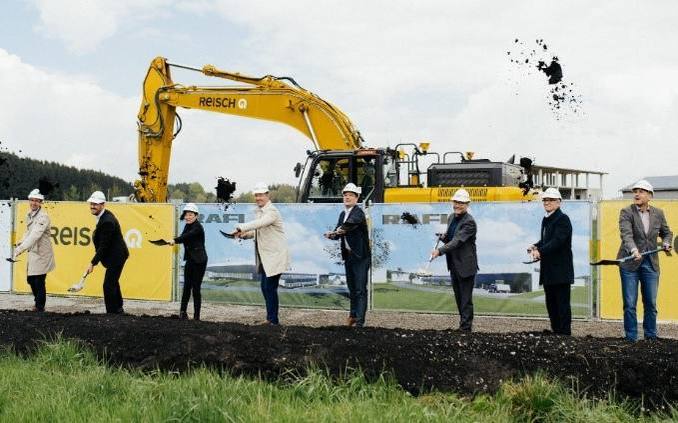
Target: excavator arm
269 98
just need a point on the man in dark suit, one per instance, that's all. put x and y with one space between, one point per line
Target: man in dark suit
462 259
640 225
351 231
556 272
111 251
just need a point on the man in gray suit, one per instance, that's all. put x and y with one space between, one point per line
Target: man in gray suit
639 225
462 260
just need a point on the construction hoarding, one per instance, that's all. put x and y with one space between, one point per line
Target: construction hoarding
148 273
609 292
316 277
402 279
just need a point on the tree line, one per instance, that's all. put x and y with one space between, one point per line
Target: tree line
20 175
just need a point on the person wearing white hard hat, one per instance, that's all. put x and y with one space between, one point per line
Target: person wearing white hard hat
193 238
270 246
351 231
110 250
37 242
556 271
640 224
459 249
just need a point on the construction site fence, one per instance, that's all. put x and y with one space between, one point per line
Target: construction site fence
401 276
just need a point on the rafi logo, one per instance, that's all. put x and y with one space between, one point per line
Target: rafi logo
133 238
242 104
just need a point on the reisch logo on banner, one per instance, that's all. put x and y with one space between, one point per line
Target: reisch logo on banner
133 238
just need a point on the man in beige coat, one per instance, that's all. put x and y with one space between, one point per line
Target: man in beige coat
37 242
270 248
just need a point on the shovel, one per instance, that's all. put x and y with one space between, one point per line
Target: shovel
608 262
80 285
425 271
532 261
11 260
158 242
227 235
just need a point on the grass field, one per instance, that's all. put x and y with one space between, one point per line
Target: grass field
64 382
392 297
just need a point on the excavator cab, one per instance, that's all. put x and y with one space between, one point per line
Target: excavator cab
327 172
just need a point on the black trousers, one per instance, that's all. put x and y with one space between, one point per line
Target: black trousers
193 274
356 281
558 307
463 295
37 283
112 294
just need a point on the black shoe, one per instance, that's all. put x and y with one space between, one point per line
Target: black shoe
183 315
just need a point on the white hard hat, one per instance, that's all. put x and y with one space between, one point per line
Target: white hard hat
462 196
97 197
35 194
190 207
643 184
351 187
260 188
551 193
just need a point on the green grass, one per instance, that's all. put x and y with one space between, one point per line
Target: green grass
287 297
63 382
392 297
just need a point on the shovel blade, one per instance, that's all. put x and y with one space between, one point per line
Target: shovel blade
77 287
158 242
11 260
226 234
605 262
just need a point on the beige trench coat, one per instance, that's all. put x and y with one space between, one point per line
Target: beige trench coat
37 241
271 242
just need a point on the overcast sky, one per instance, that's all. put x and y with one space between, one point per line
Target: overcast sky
403 71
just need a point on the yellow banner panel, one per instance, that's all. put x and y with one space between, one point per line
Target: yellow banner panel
610 281
148 273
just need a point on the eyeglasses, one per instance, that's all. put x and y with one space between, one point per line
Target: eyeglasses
548 200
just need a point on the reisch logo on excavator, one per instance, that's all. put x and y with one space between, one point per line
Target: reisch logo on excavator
225 102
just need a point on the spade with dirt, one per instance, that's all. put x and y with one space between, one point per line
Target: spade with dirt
159 242
78 286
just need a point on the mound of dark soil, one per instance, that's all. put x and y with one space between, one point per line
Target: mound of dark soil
419 360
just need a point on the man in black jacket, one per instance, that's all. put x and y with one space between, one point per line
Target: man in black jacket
111 251
556 272
461 256
351 231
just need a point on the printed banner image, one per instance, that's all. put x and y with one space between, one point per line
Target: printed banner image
610 297
5 245
316 278
403 278
148 272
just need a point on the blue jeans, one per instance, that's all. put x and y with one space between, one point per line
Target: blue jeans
649 282
269 287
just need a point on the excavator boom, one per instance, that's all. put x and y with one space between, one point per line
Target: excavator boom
268 98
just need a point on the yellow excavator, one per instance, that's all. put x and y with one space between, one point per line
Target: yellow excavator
389 175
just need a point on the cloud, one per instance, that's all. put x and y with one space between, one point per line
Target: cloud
82 24
65 119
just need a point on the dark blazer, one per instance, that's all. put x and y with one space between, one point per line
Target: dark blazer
110 246
633 235
193 238
356 234
460 248
555 250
